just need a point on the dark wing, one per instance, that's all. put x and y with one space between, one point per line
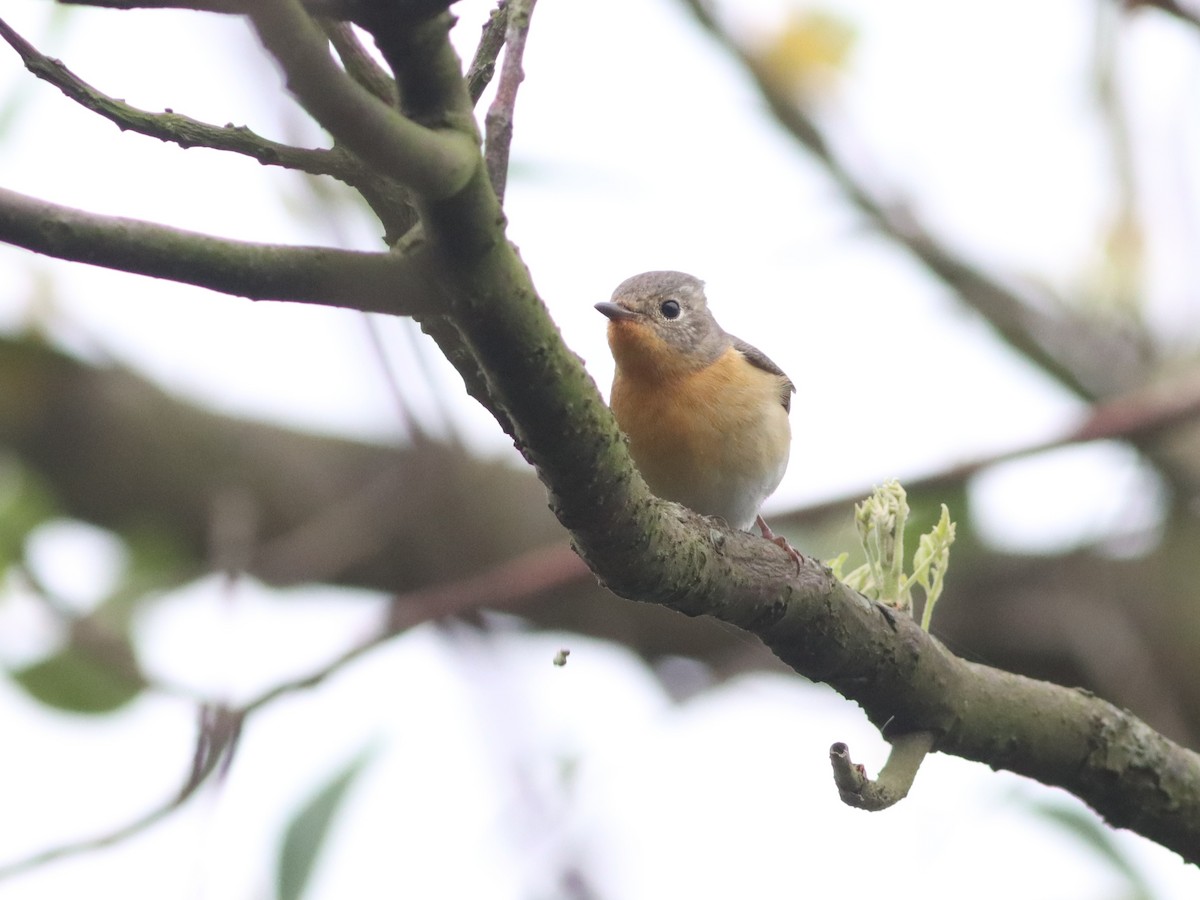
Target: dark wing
757 358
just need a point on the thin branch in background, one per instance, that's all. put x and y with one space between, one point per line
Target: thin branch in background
220 726
502 587
220 730
1170 7
232 532
491 39
1138 417
1077 351
499 118
216 740
96 640
409 423
1122 266
180 129
434 162
419 353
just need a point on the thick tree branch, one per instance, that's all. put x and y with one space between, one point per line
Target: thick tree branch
369 282
646 549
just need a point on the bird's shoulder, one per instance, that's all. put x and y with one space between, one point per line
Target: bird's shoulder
760 360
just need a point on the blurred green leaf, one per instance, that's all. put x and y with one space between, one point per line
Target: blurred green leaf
25 502
308 830
156 561
78 679
1092 832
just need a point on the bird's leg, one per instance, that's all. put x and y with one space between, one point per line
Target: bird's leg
779 541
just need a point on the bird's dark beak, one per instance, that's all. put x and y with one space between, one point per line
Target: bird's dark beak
615 312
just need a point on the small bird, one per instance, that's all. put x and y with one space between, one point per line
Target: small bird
706 414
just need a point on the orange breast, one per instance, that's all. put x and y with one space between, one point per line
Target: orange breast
716 440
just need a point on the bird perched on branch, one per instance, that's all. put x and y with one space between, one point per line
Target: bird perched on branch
706 413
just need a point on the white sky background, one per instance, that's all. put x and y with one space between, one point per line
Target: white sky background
638 145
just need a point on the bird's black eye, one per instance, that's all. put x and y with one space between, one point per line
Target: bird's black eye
670 309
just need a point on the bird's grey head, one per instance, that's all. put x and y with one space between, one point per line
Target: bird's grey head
673 305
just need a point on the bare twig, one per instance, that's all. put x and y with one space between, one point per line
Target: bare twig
491 39
500 114
369 282
895 779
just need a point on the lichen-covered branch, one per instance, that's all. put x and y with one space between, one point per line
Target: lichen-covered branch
370 282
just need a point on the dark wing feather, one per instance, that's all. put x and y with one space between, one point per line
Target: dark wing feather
757 358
